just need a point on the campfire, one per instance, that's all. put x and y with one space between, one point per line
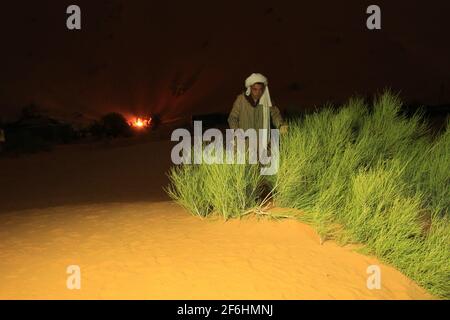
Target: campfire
140 123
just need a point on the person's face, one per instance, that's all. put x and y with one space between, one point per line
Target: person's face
257 90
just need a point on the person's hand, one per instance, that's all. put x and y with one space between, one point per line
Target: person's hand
283 129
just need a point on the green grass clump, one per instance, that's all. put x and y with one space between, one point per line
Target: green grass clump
187 187
371 175
225 189
361 174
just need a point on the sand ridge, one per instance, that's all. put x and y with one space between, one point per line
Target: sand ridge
157 250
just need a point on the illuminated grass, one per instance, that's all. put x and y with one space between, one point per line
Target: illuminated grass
373 176
361 174
187 187
225 189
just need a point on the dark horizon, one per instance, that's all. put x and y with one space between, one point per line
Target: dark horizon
179 59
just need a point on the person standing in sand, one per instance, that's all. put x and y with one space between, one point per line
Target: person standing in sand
253 109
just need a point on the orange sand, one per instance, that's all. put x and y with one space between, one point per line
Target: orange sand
102 207
158 251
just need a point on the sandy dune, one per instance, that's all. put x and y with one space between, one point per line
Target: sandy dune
103 209
158 251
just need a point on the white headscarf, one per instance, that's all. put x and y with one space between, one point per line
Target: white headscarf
264 100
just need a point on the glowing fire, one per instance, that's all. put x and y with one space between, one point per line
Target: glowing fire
141 123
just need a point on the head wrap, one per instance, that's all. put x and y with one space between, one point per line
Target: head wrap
259 78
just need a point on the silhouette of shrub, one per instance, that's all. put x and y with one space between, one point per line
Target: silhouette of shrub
113 125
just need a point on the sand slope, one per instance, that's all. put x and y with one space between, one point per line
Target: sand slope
102 207
158 251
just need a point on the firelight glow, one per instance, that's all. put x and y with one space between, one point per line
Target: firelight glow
141 123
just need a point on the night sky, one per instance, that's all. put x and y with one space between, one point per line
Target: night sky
178 58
